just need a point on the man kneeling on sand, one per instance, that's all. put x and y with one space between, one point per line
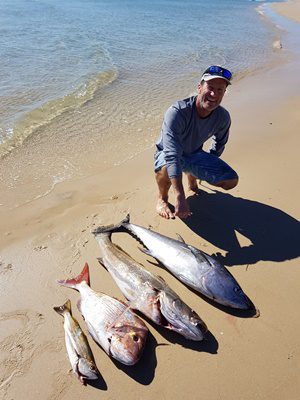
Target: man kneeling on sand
186 126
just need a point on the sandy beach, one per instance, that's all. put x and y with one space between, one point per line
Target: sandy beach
254 227
290 9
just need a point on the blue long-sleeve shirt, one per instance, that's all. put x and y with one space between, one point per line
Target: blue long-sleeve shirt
183 132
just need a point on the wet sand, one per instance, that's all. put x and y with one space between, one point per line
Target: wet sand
254 228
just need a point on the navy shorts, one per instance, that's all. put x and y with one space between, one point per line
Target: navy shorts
202 165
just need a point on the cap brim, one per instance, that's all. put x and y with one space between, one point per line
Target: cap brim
207 77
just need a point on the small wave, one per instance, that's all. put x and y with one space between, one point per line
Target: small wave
43 115
65 174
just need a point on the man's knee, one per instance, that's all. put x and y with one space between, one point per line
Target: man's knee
230 184
162 176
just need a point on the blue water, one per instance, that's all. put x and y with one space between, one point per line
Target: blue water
56 54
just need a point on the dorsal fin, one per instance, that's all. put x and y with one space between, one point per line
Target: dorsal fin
198 253
180 238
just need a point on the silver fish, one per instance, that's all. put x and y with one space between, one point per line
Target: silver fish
148 292
110 322
78 349
193 267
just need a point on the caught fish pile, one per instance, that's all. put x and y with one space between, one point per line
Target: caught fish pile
190 265
112 323
148 292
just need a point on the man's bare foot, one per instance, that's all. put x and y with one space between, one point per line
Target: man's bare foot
163 209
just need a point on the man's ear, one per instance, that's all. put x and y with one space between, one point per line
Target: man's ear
199 87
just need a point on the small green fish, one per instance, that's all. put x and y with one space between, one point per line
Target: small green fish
79 351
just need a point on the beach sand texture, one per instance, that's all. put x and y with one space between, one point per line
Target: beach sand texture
254 227
290 9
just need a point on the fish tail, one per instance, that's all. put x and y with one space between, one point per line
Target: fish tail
64 308
109 229
73 283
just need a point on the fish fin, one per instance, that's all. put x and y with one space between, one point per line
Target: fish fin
126 220
120 248
100 260
199 253
62 309
161 279
180 238
194 250
109 229
73 283
78 373
92 333
79 306
146 251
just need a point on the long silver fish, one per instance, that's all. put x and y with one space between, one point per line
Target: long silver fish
148 292
110 322
78 349
190 265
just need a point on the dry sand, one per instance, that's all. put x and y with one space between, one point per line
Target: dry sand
290 9
242 358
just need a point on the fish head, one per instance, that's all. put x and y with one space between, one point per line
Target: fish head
223 288
181 318
127 343
87 369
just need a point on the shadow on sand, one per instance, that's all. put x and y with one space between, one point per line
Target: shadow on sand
273 234
208 345
143 372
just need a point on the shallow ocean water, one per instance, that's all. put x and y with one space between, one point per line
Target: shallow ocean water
85 83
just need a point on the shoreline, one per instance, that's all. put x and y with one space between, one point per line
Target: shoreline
50 239
61 151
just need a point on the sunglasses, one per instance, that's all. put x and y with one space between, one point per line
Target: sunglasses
220 71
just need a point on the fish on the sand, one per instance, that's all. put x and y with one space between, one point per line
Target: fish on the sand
193 267
78 349
148 292
110 322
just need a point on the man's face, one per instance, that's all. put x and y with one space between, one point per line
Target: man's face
210 95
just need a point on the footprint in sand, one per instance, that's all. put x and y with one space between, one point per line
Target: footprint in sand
17 344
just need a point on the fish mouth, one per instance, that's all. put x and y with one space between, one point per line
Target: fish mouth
127 343
92 376
186 324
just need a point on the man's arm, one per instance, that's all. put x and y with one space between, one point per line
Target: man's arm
220 139
173 151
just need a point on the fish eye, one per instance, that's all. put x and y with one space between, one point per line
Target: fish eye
109 340
92 368
135 338
237 289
